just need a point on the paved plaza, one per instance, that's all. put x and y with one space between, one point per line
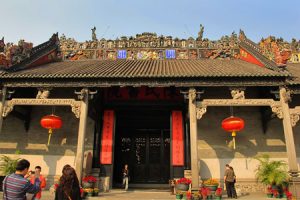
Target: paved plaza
147 195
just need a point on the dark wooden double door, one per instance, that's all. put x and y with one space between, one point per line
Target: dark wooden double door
147 152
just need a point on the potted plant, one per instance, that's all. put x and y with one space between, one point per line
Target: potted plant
269 192
179 195
183 184
218 193
211 183
88 182
289 195
275 193
188 195
196 196
88 191
7 166
205 192
96 191
271 173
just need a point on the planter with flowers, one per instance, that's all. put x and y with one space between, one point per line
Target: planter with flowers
196 196
212 184
188 195
289 195
218 193
183 184
88 191
275 193
179 195
96 192
205 193
88 182
269 192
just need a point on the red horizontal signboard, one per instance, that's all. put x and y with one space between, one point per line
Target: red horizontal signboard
107 137
177 139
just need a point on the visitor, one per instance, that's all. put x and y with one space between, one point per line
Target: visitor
37 174
16 185
125 177
68 188
229 181
234 195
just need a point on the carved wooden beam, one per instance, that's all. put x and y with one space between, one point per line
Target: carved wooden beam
295 115
9 105
275 105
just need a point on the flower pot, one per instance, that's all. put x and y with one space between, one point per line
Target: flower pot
90 194
182 187
178 196
211 187
87 185
269 195
95 194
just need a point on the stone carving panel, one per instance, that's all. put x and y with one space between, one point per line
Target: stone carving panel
9 105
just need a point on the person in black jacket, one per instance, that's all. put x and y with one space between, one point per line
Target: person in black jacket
68 188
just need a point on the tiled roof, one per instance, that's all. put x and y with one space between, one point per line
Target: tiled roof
294 69
254 50
131 69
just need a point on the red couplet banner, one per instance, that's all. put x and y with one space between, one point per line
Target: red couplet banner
177 139
107 137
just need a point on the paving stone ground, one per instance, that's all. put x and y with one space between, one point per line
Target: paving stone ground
147 195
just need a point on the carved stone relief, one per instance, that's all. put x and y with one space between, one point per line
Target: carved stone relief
238 94
9 105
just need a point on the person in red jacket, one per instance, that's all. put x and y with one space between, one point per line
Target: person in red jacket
37 174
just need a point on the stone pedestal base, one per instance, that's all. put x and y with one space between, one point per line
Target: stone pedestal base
294 187
104 184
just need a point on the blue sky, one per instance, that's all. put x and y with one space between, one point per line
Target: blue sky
36 20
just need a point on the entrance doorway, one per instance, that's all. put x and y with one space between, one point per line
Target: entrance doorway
142 140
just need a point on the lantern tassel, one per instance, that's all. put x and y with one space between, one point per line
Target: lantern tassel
49 137
233 134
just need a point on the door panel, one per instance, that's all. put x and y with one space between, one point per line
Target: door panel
147 153
140 158
155 154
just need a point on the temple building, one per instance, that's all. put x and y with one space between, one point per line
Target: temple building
153 102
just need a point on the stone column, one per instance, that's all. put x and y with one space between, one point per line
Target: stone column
290 144
1 107
193 139
288 132
81 133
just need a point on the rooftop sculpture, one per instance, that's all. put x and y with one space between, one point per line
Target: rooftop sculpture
153 47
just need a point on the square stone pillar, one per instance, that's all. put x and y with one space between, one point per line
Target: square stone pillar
193 139
290 144
3 91
81 134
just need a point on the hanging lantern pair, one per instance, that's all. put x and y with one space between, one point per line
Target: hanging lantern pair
51 122
233 124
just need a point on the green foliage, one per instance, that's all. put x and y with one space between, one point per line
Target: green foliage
271 172
8 164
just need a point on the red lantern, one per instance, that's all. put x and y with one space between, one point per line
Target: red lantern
233 124
51 122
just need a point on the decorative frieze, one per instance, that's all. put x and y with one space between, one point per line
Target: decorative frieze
9 105
275 105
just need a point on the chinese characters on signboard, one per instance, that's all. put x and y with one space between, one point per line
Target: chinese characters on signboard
177 139
107 137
